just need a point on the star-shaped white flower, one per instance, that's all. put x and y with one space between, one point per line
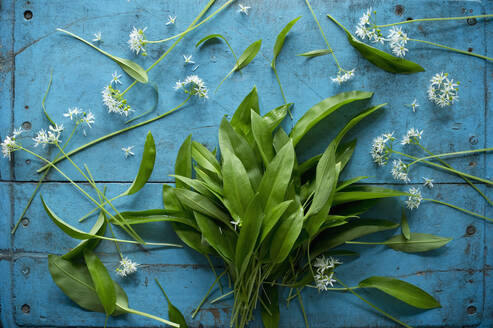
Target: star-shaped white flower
243 9
171 20
414 105
127 151
97 37
115 78
428 182
188 59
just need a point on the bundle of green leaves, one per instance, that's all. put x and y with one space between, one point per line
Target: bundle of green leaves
268 217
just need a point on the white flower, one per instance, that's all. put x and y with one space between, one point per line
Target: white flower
399 50
126 267
97 37
137 41
362 32
343 76
414 105
41 138
412 137
52 136
114 100
399 171
379 151
17 132
88 119
127 151
72 112
243 9
57 128
365 19
414 199
171 20
188 59
236 224
193 85
325 272
428 182
442 90
322 281
9 146
115 78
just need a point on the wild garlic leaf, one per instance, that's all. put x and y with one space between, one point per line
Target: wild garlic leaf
381 58
276 116
99 228
199 186
281 37
155 215
146 166
401 290
272 217
419 242
324 108
205 159
241 120
344 153
220 240
102 281
316 53
356 193
406 232
263 137
286 234
173 313
201 204
216 36
337 236
131 68
183 163
347 183
248 55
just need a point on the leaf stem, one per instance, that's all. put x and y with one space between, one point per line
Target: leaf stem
463 152
224 79
372 305
207 295
282 91
222 296
112 134
459 209
452 49
173 324
433 19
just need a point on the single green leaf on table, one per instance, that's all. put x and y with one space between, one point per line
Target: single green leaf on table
246 57
173 313
381 58
406 232
99 228
130 67
316 53
402 290
271 315
216 36
281 37
419 242
324 108
146 166
102 281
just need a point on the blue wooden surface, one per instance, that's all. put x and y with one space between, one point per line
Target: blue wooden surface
459 275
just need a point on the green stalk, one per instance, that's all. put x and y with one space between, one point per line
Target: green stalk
452 49
214 270
282 91
459 209
433 19
222 296
463 152
207 295
372 305
112 134
148 316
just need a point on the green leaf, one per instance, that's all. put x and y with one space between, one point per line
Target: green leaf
241 120
263 137
199 186
271 315
220 240
316 53
281 37
102 281
99 228
156 215
406 232
237 189
419 242
210 37
285 235
173 313
345 152
146 166
404 291
347 183
74 280
275 181
272 217
334 237
248 55
249 232
365 192
202 204
205 158
280 139
183 163
380 58
276 116
322 110
130 67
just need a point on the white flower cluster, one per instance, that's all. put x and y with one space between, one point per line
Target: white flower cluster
137 41
113 98
127 266
343 76
414 199
367 30
399 171
442 90
80 116
380 150
398 40
412 137
194 86
52 136
325 272
10 144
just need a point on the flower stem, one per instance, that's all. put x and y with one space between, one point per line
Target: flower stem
222 296
282 91
372 305
452 49
463 152
323 34
433 19
112 134
459 209
173 324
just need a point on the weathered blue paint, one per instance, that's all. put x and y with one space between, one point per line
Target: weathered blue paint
459 275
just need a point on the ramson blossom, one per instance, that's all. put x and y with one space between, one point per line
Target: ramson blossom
243 9
114 100
428 182
97 37
137 41
442 90
366 29
194 86
399 171
325 272
398 40
380 151
171 20
10 144
343 76
414 199
52 136
412 137
127 151
414 105
126 267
